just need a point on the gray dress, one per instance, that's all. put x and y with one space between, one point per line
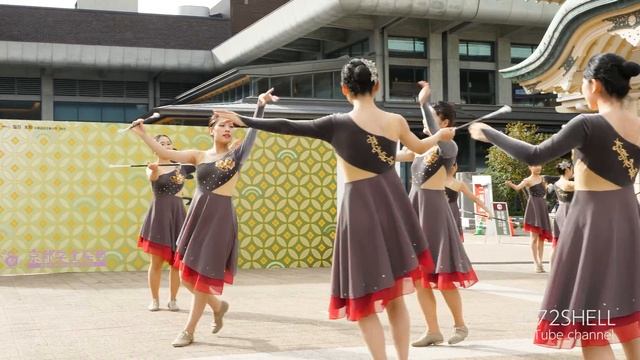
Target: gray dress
452 265
208 243
593 292
452 196
374 256
564 202
536 215
166 215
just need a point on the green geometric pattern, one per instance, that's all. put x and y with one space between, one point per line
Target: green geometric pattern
62 209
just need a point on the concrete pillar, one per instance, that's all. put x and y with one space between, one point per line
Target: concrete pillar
453 68
151 86
377 41
385 65
436 69
503 86
46 95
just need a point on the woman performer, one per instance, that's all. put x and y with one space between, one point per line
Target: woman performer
536 215
564 189
207 245
593 293
453 188
374 263
163 222
453 268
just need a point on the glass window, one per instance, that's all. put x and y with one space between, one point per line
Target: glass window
65 111
97 112
403 81
337 91
281 86
89 112
482 149
112 113
23 110
134 111
476 51
463 140
520 97
477 87
323 85
360 48
303 86
406 46
260 85
520 52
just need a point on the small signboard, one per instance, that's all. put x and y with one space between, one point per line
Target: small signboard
501 218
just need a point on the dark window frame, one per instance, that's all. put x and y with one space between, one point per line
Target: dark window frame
467 57
465 96
416 79
408 54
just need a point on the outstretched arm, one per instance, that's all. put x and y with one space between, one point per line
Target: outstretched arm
571 136
405 155
181 156
411 141
468 193
518 187
250 137
448 149
321 128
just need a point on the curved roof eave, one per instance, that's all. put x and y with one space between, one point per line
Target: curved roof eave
300 17
571 15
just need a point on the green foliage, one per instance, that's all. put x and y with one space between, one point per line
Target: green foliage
503 167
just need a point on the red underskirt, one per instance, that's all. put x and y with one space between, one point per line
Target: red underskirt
358 308
450 281
156 249
544 234
201 282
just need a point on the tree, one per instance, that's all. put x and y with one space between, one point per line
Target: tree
503 167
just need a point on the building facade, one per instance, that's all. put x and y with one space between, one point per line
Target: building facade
97 65
458 46
113 66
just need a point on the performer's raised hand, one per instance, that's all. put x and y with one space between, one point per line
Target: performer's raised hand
446 134
475 130
267 97
228 115
138 126
425 92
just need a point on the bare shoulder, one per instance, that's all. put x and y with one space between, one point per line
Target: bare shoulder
396 121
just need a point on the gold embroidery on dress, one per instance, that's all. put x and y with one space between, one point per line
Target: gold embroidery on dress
375 148
432 157
178 178
225 164
624 156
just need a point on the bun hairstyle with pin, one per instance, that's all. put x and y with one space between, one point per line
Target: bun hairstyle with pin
563 166
359 76
613 71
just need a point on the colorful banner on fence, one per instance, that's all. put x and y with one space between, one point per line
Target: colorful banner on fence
63 209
